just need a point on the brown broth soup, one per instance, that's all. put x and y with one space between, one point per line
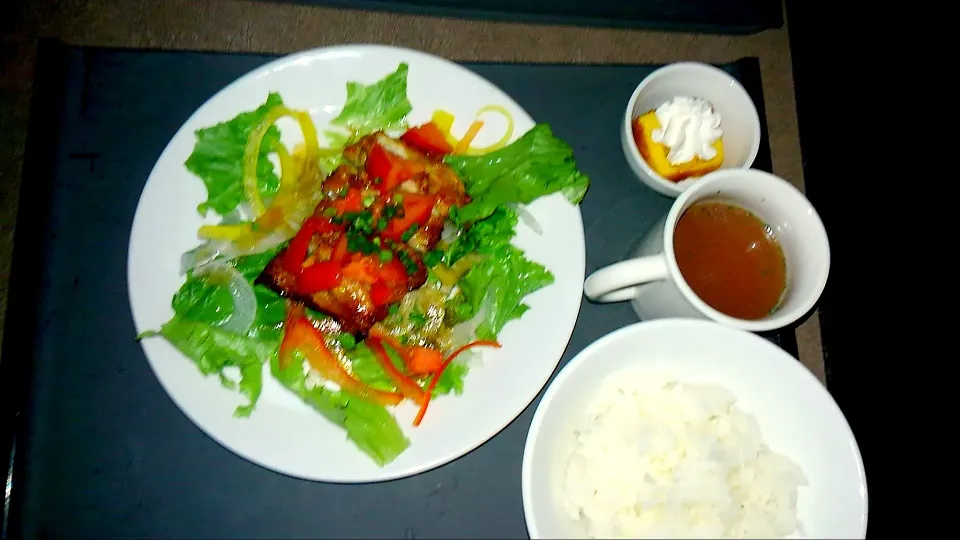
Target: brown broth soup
731 259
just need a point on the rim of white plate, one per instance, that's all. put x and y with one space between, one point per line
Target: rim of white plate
562 333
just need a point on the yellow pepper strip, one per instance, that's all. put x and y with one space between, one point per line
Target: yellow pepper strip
288 172
310 141
251 153
506 136
444 121
300 178
295 200
223 232
450 275
230 233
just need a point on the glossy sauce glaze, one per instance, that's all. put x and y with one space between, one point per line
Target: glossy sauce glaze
731 259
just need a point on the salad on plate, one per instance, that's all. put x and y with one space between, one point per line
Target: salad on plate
366 264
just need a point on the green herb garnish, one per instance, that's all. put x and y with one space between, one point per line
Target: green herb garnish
408 234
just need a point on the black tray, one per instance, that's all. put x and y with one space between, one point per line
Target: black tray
709 16
100 450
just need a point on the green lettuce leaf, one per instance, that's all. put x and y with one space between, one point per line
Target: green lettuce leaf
368 425
498 229
536 164
201 306
217 159
203 301
381 105
500 281
451 380
215 350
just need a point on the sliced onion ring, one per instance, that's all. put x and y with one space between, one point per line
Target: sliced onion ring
508 134
225 250
244 299
526 217
466 331
450 233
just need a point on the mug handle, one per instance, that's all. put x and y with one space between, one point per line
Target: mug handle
616 283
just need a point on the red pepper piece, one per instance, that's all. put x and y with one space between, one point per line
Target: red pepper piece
339 250
381 293
287 345
392 272
391 283
297 250
427 138
353 202
319 276
416 210
391 169
301 336
296 253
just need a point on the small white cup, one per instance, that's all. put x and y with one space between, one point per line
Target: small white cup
738 117
652 280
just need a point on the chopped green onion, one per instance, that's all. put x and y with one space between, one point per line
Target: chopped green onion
417 318
433 258
408 234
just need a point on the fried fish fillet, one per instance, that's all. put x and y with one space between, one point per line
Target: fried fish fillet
362 250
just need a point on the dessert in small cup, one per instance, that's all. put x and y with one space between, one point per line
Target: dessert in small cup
685 120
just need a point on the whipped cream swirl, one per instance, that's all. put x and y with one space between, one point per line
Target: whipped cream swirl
688 127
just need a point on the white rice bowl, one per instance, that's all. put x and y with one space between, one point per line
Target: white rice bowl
688 429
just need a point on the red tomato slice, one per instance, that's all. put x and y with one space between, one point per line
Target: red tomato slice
319 276
391 169
416 210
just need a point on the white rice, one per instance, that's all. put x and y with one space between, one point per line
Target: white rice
655 458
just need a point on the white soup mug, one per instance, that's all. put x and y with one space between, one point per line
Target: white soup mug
652 281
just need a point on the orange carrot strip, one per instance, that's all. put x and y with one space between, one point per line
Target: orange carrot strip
446 363
468 137
407 386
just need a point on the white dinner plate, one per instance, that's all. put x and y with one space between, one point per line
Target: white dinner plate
284 434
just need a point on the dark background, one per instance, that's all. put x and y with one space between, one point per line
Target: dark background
840 72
